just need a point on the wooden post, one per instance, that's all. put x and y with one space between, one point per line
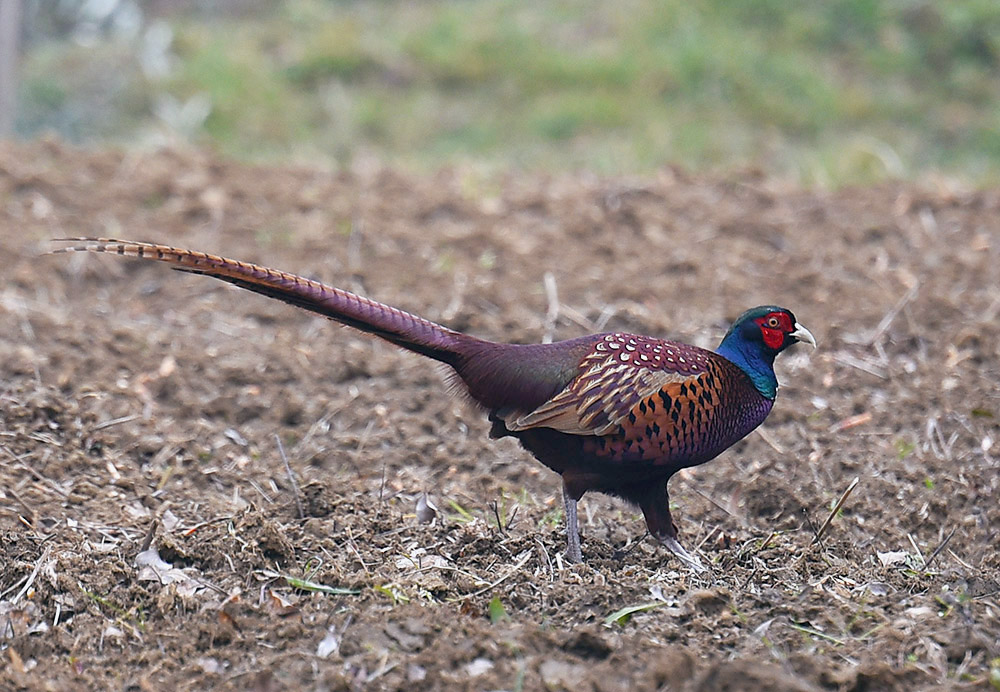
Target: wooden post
10 39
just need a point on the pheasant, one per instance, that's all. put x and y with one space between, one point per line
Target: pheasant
615 413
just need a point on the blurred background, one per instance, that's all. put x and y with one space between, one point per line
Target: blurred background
818 92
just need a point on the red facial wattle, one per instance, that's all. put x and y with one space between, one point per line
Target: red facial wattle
774 327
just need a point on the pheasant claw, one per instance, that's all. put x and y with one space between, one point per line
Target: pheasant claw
684 556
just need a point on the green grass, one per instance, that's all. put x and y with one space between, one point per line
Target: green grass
820 91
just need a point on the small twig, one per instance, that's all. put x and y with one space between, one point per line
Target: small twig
548 560
578 318
621 553
116 421
940 547
836 508
767 541
350 544
496 513
291 477
12 587
714 502
363 440
51 484
444 568
148 540
201 525
256 486
812 526
32 576
960 561
383 667
916 549
891 315
513 570
607 312
706 539
24 504
938 445
853 362
766 436
815 632
851 422
381 487
322 422
512 517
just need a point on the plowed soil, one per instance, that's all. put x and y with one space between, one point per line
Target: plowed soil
152 537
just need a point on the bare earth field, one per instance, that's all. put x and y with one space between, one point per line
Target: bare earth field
141 408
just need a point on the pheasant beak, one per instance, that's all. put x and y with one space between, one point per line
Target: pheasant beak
803 334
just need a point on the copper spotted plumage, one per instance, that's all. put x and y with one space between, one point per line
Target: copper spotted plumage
615 413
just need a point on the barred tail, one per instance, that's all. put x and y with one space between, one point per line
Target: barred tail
401 328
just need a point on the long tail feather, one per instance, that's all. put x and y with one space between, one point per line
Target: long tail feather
394 325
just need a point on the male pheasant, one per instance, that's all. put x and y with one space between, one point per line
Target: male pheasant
616 413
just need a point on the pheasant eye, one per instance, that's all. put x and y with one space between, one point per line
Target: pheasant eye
772 322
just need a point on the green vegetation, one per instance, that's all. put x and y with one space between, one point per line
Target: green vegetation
820 91
496 610
904 448
623 615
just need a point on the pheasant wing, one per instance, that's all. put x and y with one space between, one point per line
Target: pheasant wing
623 375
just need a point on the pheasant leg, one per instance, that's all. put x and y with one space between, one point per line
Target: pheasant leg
573 553
656 509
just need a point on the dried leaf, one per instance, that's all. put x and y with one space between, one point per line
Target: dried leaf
153 568
280 604
329 644
893 557
426 511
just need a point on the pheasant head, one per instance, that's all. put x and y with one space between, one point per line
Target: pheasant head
756 337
